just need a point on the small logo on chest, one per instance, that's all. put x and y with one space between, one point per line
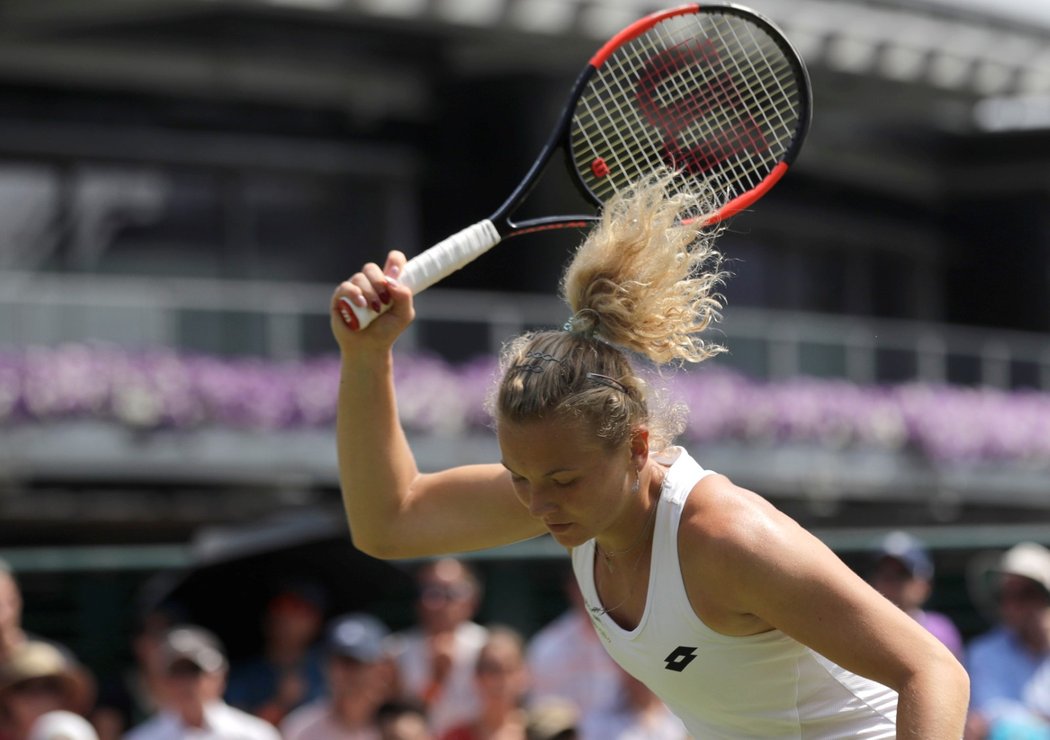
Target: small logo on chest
596 620
679 658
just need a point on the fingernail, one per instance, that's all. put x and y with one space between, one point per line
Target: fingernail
361 301
394 271
384 296
376 307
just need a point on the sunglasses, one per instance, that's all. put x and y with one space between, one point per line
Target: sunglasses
1023 594
185 669
432 593
491 667
42 685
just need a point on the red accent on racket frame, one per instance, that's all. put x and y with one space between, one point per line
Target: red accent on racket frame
553 227
637 29
751 196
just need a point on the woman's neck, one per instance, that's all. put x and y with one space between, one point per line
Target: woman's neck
627 536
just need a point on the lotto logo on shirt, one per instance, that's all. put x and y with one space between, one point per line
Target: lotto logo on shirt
680 658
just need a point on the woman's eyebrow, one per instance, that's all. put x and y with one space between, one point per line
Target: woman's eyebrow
548 474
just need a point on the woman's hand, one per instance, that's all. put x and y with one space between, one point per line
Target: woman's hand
376 289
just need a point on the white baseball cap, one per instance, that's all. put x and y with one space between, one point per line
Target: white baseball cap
1030 560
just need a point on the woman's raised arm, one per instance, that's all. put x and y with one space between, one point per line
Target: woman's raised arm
394 510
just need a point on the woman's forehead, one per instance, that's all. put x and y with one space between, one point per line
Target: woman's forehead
563 428
555 441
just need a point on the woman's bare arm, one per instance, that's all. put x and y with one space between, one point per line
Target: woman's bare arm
394 510
768 572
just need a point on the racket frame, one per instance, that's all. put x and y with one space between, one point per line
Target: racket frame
463 247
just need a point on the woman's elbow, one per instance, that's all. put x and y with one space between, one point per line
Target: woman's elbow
377 545
948 678
959 676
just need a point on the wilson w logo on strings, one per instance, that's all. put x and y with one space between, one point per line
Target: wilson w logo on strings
673 112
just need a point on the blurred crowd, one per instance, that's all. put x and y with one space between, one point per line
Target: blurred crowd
447 677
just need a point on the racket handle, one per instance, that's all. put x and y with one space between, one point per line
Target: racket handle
438 262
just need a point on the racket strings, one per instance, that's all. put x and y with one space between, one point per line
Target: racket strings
720 102
740 107
752 117
772 72
724 129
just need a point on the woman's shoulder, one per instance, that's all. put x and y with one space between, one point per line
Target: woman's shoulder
732 543
718 506
724 524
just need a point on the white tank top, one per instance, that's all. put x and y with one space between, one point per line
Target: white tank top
759 686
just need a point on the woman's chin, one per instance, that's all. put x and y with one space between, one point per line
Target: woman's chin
567 535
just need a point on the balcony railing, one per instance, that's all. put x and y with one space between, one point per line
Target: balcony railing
288 320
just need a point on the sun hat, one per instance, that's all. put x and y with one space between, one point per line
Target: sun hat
37 659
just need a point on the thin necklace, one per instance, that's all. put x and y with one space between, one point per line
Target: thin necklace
603 610
608 555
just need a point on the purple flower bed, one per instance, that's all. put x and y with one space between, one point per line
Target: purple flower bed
162 389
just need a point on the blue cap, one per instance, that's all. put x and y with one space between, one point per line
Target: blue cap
908 551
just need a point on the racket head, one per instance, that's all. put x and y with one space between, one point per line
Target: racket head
715 93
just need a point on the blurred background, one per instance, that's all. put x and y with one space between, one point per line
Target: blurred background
183 182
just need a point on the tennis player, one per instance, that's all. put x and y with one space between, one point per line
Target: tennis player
742 622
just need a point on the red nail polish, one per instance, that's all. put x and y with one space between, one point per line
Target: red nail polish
384 296
376 307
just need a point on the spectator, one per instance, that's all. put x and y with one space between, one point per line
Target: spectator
639 716
135 694
12 636
1005 663
502 680
1037 695
289 672
567 660
195 670
402 719
360 679
436 658
903 573
37 678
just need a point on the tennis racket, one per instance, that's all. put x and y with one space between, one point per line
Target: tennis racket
714 93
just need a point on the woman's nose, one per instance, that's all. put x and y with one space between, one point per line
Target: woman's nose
540 505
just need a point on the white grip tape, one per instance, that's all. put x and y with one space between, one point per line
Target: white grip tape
440 261
447 256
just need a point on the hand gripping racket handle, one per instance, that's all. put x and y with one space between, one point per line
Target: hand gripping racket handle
438 262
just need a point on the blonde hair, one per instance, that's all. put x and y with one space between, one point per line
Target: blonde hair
642 282
639 279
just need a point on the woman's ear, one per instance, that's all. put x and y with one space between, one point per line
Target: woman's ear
640 446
